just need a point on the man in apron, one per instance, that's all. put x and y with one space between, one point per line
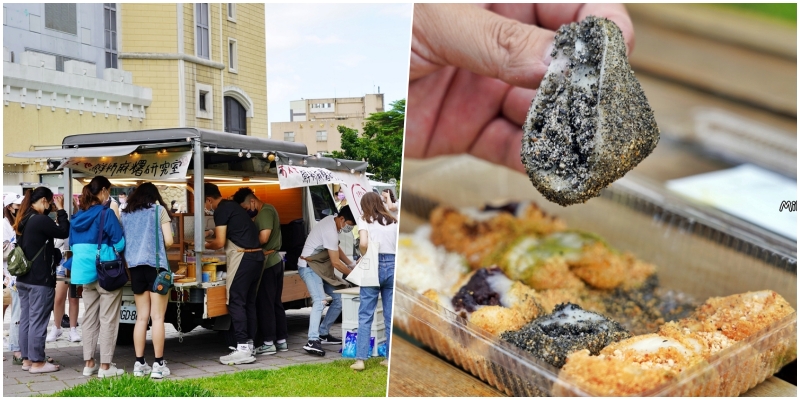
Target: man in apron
272 332
321 254
236 232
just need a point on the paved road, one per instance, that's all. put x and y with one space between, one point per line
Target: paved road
197 356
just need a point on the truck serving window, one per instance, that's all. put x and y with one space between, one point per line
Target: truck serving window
323 201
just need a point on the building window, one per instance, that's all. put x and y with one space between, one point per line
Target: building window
288 136
62 17
233 55
235 117
202 34
205 101
232 12
110 16
322 136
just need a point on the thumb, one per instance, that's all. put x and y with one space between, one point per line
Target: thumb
481 41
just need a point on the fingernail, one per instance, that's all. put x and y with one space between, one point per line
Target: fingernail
547 55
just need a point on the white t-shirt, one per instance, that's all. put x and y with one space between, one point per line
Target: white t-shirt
386 236
324 236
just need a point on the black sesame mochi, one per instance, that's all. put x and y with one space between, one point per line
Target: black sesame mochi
590 122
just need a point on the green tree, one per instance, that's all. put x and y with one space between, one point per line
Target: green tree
381 144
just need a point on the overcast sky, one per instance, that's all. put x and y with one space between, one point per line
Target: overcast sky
329 50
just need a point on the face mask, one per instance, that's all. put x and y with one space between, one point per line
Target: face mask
347 228
252 213
340 196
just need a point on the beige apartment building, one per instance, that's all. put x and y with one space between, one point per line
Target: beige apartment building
72 68
314 122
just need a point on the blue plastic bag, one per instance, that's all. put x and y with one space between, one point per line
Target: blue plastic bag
349 347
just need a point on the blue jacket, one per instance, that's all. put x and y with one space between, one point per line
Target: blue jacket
83 241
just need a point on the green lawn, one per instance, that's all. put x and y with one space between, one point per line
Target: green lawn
782 11
334 379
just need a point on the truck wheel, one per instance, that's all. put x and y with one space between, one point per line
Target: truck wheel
125 335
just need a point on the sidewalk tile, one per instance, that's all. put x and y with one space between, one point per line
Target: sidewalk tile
218 369
52 385
33 378
16 388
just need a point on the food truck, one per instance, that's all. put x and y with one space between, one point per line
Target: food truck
280 173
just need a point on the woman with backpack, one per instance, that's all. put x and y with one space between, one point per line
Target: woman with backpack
95 228
149 233
36 233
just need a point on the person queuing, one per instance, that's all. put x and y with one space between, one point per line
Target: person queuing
387 196
236 232
36 233
11 204
143 238
271 333
62 289
379 228
101 319
321 254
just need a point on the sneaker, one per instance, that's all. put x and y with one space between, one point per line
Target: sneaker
74 336
240 355
111 372
385 362
282 346
330 339
314 347
358 365
159 370
89 371
140 369
267 349
53 335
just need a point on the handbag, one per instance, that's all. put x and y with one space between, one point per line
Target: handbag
365 272
111 275
163 281
18 263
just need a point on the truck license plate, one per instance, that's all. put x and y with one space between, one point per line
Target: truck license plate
127 313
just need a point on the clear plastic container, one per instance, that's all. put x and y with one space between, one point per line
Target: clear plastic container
698 251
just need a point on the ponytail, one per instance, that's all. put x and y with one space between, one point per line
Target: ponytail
89 194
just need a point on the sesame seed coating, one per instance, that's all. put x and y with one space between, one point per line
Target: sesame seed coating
569 328
590 122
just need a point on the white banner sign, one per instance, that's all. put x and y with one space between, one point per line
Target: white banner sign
163 166
355 186
291 176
